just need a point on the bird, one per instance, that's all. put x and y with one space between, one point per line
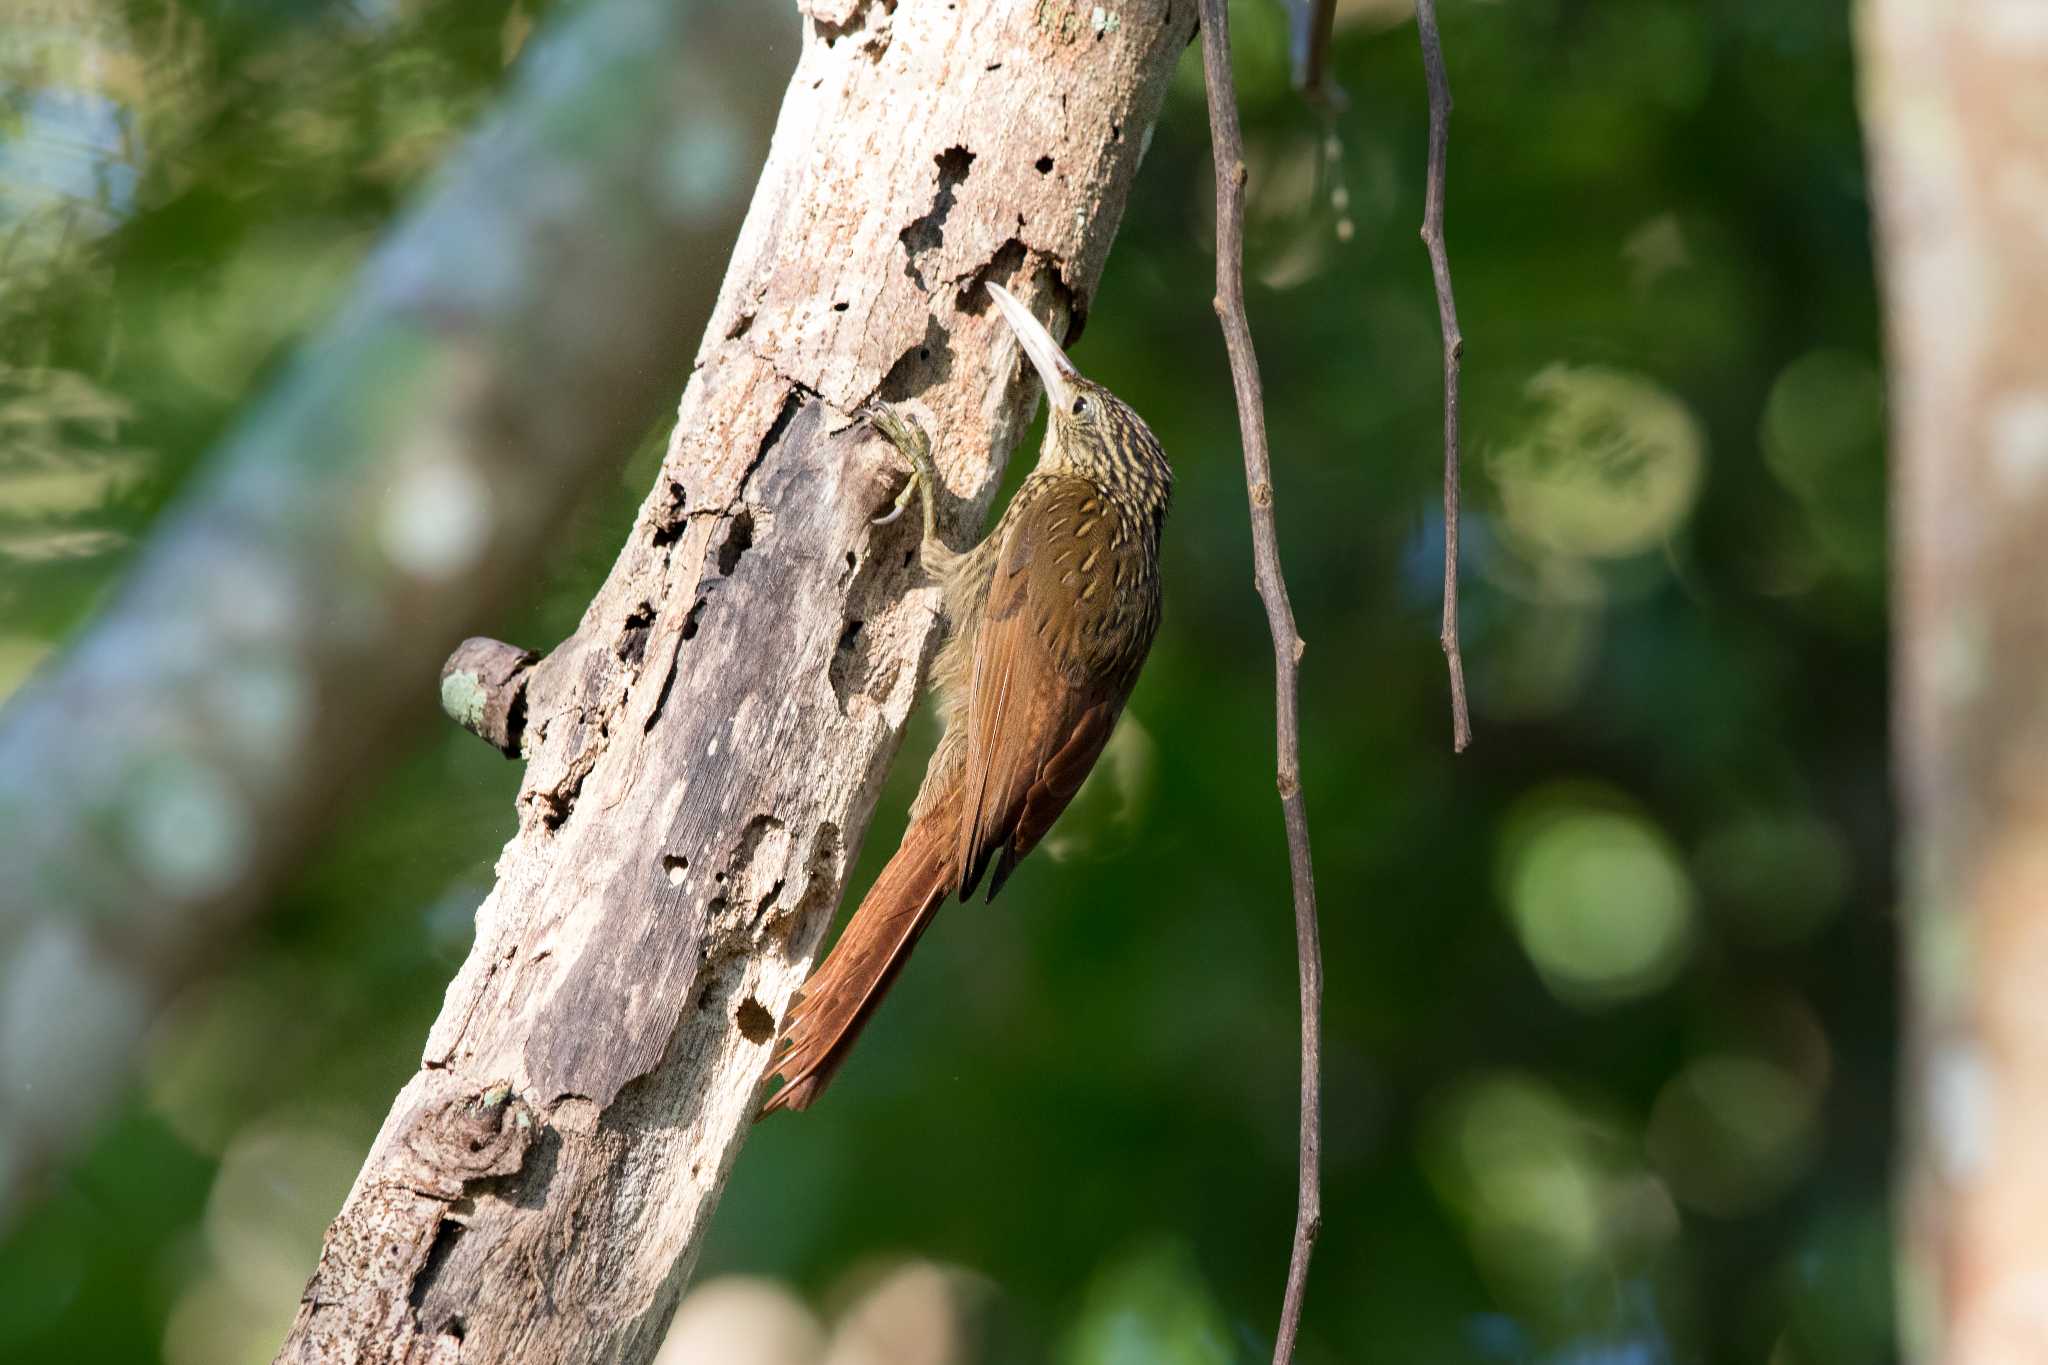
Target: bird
1049 620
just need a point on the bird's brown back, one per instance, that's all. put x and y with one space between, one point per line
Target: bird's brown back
1051 618
1071 609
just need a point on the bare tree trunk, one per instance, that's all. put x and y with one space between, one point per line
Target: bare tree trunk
1956 104
705 751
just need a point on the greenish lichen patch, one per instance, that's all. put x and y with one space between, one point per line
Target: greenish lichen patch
462 697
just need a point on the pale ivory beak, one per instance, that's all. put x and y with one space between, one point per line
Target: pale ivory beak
1045 354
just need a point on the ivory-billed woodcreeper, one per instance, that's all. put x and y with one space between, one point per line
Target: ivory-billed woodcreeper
1050 618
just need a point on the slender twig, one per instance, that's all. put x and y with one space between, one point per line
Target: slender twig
1454 348
1228 144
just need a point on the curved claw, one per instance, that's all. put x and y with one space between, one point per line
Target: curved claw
909 438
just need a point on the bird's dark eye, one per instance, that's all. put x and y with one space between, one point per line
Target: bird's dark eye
1081 405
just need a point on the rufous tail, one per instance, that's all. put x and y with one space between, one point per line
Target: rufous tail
835 1004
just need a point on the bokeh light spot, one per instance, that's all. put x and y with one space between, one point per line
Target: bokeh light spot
1553 1195
189 830
1776 877
1148 1307
1731 1132
1823 437
1597 897
742 1320
437 517
1607 465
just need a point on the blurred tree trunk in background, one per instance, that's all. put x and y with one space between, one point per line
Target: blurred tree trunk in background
1956 107
704 753
164 779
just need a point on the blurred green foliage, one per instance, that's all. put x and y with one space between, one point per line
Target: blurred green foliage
1610 998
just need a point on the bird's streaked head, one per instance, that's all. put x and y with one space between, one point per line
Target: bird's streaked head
1090 427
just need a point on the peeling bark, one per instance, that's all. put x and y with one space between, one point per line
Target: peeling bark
1953 98
704 752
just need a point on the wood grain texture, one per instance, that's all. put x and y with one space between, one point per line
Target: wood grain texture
705 751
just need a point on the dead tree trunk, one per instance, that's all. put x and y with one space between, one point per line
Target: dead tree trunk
1958 134
704 753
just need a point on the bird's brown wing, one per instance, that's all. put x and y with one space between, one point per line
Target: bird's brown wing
1048 681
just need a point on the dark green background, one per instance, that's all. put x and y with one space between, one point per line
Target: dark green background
1551 1133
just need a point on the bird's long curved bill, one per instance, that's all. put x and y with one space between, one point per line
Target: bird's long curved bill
1045 354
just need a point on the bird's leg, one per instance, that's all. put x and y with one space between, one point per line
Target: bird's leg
904 432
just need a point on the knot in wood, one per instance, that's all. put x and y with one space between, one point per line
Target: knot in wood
1290 786
468 1135
1262 494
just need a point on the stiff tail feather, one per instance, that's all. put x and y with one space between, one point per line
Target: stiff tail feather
835 1004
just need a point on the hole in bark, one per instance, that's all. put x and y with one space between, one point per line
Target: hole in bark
676 865
839 307
690 621
739 538
668 685
1003 266
927 232
515 723
446 1235
668 522
848 671
756 1024
632 647
1044 165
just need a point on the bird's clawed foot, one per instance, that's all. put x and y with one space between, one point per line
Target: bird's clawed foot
903 431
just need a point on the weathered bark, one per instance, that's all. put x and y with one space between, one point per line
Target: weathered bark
1953 95
705 751
161 780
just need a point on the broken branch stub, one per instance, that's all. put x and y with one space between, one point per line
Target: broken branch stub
483 689
705 751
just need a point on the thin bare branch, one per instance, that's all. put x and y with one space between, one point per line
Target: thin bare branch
1454 348
1228 144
